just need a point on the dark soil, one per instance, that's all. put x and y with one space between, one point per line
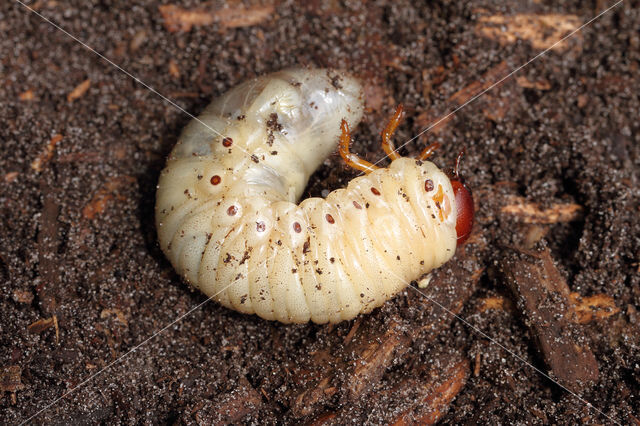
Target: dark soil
77 239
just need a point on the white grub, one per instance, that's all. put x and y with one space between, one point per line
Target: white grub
229 222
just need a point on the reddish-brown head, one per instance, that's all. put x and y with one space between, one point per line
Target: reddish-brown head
464 204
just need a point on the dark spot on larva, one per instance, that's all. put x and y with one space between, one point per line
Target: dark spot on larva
332 259
319 287
422 262
428 185
255 158
238 277
418 162
375 191
296 227
260 226
227 142
270 138
232 210
243 299
199 177
294 270
366 205
227 259
245 257
361 294
242 117
315 262
319 271
397 257
215 180
274 152
306 245
279 242
356 205
295 83
433 216
330 219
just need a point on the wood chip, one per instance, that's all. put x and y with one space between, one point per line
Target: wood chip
598 306
104 195
11 379
178 19
527 212
114 312
540 84
433 396
46 155
11 176
174 71
542 31
27 95
545 302
41 325
23 296
79 91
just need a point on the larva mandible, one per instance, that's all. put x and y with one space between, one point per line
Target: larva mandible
228 219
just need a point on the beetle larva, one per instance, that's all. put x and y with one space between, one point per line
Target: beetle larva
229 222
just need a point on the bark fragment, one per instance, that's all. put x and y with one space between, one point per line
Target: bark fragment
544 298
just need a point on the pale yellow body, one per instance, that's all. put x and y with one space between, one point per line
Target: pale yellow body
242 238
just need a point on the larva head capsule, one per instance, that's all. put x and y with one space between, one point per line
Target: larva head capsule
464 203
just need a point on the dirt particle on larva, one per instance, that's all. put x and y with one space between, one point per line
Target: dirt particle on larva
296 227
330 218
243 299
306 245
319 271
357 205
199 177
332 259
274 153
232 210
279 242
215 180
375 191
260 226
245 257
255 158
227 142
227 258
294 270
362 295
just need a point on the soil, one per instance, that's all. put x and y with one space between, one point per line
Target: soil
84 281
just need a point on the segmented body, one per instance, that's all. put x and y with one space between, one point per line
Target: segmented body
229 222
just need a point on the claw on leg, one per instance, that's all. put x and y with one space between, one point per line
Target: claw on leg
387 144
352 160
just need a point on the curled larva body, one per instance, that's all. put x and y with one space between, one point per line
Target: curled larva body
228 221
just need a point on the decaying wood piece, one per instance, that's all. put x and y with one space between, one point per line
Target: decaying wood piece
431 397
354 369
231 407
527 212
420 395
177 18
542 31
544 298
47 251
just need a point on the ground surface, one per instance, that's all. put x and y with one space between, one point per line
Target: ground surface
83 280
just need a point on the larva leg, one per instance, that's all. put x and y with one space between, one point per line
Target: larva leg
352 159
388 131
428 151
